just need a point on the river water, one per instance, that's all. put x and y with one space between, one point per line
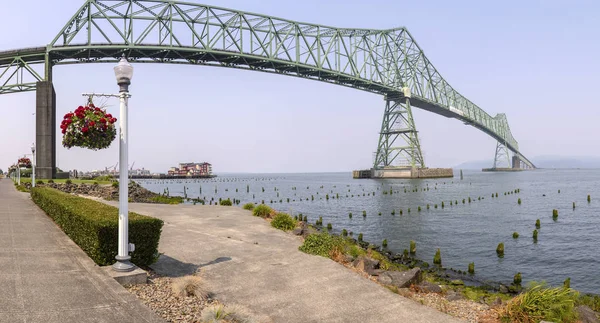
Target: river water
469 232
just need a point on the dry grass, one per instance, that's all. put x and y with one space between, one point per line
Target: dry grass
226 314
189 286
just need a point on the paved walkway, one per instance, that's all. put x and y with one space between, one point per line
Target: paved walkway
247 262
46 278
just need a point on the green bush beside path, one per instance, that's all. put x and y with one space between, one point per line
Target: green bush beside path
94 226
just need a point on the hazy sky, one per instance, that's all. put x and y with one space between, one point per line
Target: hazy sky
536 61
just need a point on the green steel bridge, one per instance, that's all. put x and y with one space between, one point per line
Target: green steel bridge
387 62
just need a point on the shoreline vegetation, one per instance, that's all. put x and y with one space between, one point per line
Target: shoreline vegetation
455 292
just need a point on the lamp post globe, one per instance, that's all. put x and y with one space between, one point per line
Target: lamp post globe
123 73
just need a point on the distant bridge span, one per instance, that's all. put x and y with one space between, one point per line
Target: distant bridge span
387 62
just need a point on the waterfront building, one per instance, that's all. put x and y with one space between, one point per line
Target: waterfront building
191 169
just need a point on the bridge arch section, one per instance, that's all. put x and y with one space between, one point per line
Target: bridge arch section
387 62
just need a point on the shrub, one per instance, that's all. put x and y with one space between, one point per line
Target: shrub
248 206
384 243
50 181
519 201
189 286
226 202
535 235
262 210
555 213
329 226
160 199
540 302
321 244
39 181
515 235
360 237
537 223
94 226
283 221
68 181
471 268
344 233
115 184
567 283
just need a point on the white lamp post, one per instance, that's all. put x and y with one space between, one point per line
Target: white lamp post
33 165
123 73
18 174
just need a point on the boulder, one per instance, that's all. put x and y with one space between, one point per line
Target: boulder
586 314
401 279
298 231
427 287
366 264
503 289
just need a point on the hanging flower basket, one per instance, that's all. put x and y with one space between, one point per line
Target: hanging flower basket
24 162
88 127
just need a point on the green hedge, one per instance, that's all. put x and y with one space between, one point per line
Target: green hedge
94 226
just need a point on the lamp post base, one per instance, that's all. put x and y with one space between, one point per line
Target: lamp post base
123 264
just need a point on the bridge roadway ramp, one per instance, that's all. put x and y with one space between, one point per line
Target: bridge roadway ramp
46 278
247 262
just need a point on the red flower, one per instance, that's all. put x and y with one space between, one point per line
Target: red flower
102 120
92 123
84 129
109 116
98 109
64 131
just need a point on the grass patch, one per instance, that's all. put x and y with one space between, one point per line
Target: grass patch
263 211
592 301
93 226
226 202
167 199
321 244
478 293
284 221
248 206
541 302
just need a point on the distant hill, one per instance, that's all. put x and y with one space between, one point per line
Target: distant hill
542 162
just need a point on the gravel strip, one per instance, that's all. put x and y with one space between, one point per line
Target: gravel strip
157 295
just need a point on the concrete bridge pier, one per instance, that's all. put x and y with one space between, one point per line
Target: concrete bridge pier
45 130
516 162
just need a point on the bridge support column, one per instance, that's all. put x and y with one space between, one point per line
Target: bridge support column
45 130
516 162
398 140
501 154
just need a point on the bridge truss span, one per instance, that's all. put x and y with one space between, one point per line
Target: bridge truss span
387 62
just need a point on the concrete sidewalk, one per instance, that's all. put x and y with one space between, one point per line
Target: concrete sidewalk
247 262
46 278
